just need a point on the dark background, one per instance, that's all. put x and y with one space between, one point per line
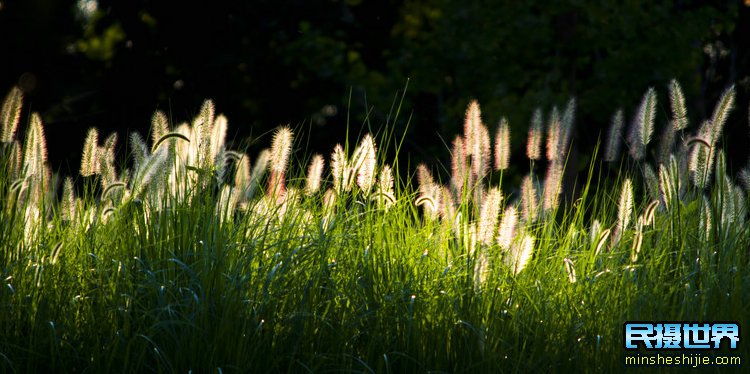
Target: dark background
313 64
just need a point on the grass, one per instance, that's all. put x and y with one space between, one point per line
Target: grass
189 262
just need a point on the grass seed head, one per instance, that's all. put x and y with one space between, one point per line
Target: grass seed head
314 174
10 114
643 126
15 160
281 147
667 190
706 220
481 157
489 214
35 148
612 149
566 128
507 229
385 194
138 149
365 162
218 136
89 159
340 169
502 145
677 103
721 113
528 198
242 173
624 208
553 135
472 122
68 200
701 159
459 169
159 127
552 186
203 125
534 140
522 252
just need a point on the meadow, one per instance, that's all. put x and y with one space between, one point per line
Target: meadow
175 254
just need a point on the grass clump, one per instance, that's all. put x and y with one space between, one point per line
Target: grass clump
195 260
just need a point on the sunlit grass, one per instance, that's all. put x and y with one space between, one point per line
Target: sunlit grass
195 260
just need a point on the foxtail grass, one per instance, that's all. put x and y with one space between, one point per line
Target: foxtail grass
189 259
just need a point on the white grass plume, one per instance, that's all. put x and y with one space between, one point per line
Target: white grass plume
314 174
340 170
204 127
481 160
459 169
614 136
10 114
281 148
218 136
15 159
602 241
566 128
705 221
624 208
242 174
447 206
667 189
507 228
186 151
553 135
701 157
643 126
159 127
153 166
476 141
488 215
35 148
430 200
384 194
552 186
729 210
740 202
138 149
502 145
424 179
521 253
677 103
68 203
107 160
528 198
365 163
534 139
89 159
721 113
429 192
472 122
